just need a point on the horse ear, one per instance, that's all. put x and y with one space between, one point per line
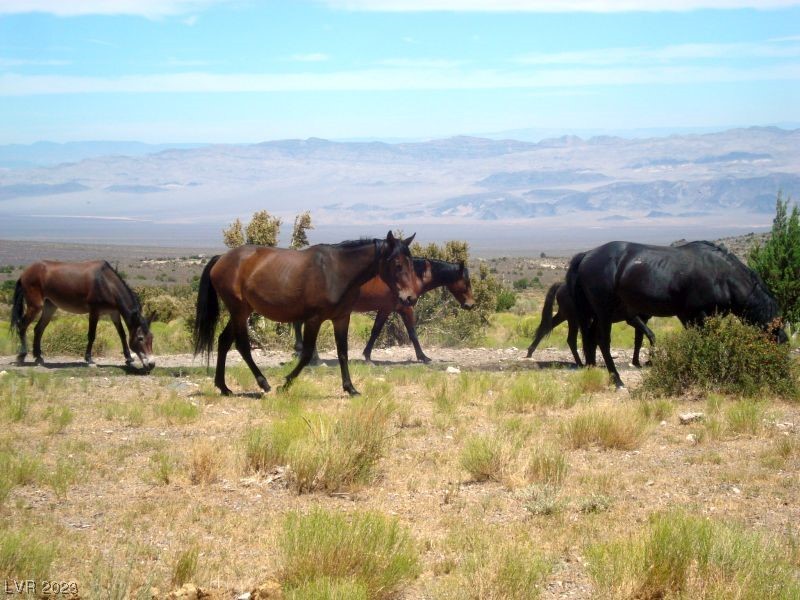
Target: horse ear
150 318
390 237
408 241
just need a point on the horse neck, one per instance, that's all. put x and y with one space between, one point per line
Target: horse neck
125 300
360 263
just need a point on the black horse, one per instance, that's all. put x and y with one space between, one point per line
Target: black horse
691 282
559 292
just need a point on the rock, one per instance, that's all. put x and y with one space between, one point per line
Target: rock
663 424
691 417
155 593
271 590
3 373
692 439
245 596
453 370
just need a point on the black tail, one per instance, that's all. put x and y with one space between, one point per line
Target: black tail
546 324
207 312
18 309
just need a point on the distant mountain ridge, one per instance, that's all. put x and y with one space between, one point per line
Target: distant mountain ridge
722 177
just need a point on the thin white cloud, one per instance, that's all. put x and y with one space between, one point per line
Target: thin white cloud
152 9
310 57
21 62
390 79
665 54
550 6
421 63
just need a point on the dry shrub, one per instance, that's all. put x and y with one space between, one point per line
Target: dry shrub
205 463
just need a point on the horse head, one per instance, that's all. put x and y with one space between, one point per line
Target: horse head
396 268
141 340
761 308
461 287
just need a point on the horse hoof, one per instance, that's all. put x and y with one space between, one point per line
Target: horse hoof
423 359
262 383
225 391
20 360
353 392
39 362
91 364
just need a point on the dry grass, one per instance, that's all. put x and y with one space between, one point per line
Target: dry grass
611 428
136 481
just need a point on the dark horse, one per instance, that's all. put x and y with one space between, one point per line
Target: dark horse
92 287
312 285
691 282
559 292
376 295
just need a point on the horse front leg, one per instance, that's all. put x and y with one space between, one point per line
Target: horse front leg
377 327
310 332
93 318
340 328
126 352
409 319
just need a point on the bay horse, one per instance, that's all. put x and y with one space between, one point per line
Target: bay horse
692 282
312 285
375 295
92 287
559 292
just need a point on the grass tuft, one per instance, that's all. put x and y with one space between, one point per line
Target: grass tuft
611 428
365 552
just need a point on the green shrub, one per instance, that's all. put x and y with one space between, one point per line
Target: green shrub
363 551
725 356
505 300
69 335
547 465
683 556
530 391
778 259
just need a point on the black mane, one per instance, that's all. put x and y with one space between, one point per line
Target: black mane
443 271
132 296
356 243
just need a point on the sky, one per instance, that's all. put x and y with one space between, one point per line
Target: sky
241 71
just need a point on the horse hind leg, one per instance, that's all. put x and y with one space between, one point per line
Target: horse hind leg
47 314
93 318
242 340
34 306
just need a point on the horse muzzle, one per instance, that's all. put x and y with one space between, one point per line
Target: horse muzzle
467 305
407 299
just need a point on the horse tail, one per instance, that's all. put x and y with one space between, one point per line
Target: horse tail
546 323
18 309
206 313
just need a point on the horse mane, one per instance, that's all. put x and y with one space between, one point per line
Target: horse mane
443 270
356 243
736 261
133 296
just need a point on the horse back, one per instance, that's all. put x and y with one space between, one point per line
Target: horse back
71 286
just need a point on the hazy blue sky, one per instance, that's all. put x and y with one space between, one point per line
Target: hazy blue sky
247 71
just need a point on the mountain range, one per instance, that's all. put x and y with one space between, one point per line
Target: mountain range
721 178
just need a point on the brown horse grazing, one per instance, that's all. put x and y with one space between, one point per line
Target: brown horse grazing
92 287
559 292
375 295
311 285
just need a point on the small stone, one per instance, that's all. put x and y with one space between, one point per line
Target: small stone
155 593
453 370
245 596
3 373
736 490
650 482
692 439
691 417
663 423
